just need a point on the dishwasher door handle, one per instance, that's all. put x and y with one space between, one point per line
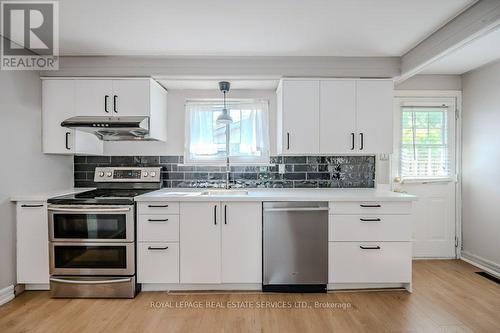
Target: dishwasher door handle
297 209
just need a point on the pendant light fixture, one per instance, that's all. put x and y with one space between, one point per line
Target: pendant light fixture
224 117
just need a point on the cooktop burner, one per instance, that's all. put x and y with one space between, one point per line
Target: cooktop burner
118 186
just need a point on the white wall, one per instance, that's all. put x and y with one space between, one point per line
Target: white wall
175 123
431 82
24 168
481 164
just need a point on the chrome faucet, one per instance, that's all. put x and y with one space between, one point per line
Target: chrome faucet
228 171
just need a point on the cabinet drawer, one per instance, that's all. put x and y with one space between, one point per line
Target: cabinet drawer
369 262
158 228
369 228
158 208
360 207
157 262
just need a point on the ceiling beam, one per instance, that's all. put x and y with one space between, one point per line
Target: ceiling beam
241 67
476 21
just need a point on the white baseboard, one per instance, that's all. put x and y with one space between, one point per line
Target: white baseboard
482 263
201 287
6 294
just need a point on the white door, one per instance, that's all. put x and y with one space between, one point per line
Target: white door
300 116
200 237
374 116
94 97
241 242
424 165
337 116
131 97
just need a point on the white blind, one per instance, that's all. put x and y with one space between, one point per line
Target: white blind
424 142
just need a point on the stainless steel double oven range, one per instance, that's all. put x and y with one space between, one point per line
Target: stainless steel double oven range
92 235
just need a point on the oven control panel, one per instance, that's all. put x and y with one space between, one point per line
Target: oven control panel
127 174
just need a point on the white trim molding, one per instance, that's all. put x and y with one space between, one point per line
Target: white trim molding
482 263
7 294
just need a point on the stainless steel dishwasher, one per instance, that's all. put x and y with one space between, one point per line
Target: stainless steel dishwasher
295 237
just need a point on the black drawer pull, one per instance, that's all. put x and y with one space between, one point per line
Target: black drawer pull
157 220
370 206
369 247
370 220
31 206
157 248
157 206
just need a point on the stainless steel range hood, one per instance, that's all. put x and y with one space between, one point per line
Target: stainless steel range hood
112 128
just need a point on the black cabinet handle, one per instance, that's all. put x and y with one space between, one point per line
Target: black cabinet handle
114 103
369 247
352 141
31 206
225 214
215 215
370 220
157 206
158 220
362 145
106 103
287 140
67 141
154 248
370 206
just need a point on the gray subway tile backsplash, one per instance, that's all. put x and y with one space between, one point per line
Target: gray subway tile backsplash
300 171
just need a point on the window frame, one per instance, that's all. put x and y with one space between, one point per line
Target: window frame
234 160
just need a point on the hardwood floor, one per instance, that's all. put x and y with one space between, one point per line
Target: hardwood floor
447 297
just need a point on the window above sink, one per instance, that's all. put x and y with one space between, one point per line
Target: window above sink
206 139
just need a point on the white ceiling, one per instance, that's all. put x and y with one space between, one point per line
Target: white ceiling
474 54
257 27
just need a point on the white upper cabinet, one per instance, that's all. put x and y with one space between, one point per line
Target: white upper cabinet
299 117
64 98
131 97
337 116
93 97
58 104
334 116
374 116
115 98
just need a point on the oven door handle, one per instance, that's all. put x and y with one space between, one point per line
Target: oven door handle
90 281
89 210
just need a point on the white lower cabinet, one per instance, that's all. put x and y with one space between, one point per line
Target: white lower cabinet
242 242
158 262
369 262
200 238
369 243
221 242
158 242
32 243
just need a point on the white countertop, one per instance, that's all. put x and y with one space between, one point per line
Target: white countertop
295 194
44 196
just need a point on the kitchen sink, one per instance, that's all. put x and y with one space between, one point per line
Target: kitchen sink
225 192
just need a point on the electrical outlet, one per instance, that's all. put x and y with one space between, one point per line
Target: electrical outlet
281 168
262 169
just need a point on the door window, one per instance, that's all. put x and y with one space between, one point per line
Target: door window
424 150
